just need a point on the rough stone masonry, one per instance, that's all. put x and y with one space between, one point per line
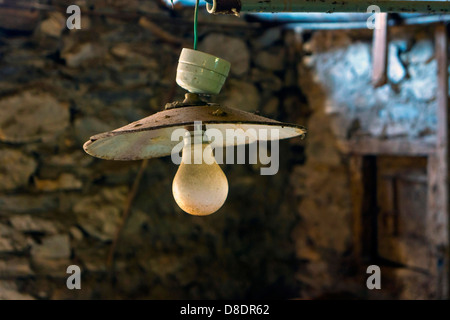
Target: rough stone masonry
282 236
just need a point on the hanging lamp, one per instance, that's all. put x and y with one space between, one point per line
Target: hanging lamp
200 186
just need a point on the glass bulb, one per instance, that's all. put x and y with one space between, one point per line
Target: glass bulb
200 187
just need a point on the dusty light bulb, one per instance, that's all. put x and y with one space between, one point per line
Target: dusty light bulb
199 187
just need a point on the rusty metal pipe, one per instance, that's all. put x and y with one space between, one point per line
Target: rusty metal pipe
328 6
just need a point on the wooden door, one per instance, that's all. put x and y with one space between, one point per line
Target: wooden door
402 217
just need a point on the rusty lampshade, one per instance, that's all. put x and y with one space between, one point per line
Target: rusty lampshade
151 137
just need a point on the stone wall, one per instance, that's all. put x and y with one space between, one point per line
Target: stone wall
335 74
405 107
59 206
282 236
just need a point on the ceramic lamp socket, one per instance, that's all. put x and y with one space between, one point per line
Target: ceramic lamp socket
200 72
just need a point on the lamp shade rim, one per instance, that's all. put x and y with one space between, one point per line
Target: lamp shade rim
152 136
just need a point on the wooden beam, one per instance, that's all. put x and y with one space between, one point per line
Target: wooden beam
442 94
357 194
393 147
438 167
380 51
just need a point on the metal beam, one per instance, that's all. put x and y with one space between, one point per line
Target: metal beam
329 24
328 6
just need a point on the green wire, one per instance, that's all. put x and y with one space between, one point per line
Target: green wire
195 25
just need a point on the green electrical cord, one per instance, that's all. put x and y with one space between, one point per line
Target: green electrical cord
195 25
